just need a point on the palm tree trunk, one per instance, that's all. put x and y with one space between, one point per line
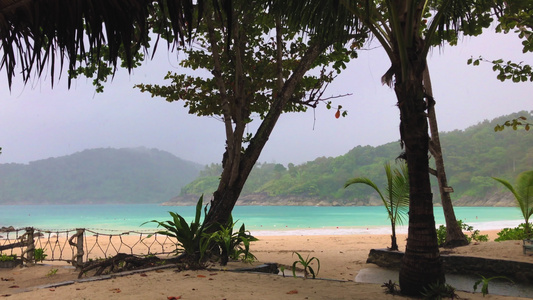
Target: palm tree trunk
394 244
421 264
454 234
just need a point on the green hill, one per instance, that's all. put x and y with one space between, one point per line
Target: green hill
138 175
471 157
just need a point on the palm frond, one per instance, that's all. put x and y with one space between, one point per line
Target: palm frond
368 182
524 186
522 191
34 32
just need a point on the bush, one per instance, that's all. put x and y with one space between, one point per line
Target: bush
190 239
39 254
5 257
230 244
517 233
474 234
196 242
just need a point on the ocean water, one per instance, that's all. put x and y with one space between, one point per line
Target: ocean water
260 220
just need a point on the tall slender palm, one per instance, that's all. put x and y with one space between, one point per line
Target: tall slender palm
396 198
523 193
454 233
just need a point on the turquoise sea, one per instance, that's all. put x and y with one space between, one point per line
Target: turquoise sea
260 220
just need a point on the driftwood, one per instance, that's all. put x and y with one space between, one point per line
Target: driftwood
14 245
117 263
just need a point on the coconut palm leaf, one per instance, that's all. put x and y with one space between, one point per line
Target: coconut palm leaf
401 193
523 193
396 198
368 182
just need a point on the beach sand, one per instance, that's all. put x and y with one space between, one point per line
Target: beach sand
341 258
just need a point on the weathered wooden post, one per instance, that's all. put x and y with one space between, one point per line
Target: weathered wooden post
30 246
79 245
77 259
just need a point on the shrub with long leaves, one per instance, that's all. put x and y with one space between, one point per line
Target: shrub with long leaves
523 193
306 264
191 240
232 244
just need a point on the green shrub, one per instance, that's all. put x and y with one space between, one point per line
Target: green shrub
234 245
507 234
190 238
474 234
5 257
441 235
39 255
195 241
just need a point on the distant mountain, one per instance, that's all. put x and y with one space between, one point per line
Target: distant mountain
471 157
130 175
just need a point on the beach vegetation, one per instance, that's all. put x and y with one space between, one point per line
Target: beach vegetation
474 233
232 245
190 238
391 287
52 272
395 197
7 257
516 233
523 194
39 254
282 270
197 243
306 264
484 281
439 290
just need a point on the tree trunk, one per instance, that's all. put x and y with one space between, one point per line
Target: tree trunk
236 171
454 233
421 264
394 244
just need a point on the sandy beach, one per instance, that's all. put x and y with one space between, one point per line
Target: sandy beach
341 258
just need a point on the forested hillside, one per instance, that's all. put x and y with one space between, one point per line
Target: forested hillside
138 175
471 157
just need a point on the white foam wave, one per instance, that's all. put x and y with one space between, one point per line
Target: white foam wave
494 225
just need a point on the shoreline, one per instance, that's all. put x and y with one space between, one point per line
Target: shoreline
277 231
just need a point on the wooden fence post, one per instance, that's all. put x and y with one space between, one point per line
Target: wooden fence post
79 245
77 259
30 246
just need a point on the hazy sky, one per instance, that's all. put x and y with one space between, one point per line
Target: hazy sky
37 122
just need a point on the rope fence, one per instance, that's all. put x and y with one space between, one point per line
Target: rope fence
78 246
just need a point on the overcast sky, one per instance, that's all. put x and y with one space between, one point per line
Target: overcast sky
37 122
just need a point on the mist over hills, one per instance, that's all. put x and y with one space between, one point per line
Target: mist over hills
105 175
140 175
471 157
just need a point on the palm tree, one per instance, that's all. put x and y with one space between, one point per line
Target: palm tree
454 232
407 30
396 199
523 193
